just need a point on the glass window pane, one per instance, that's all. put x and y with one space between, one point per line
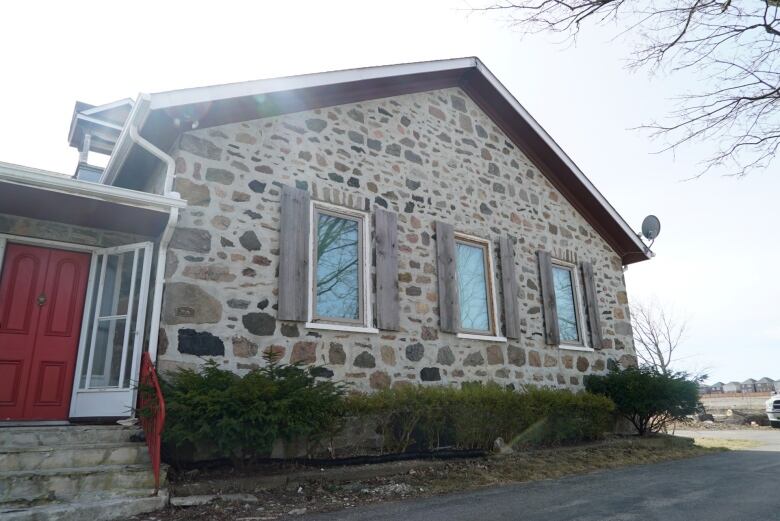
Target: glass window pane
92 304
338 269
108 353
130 376
472 287
564 300
116 285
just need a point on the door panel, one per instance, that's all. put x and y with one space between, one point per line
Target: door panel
21 281
42 295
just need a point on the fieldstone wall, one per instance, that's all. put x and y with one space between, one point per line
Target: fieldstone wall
428 156
54 231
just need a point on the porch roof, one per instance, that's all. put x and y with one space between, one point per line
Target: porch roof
39 194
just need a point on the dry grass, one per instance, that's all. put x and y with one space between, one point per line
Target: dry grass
729 444
556 463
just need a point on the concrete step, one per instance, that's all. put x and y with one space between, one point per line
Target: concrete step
72 456
93 509
60 436
30 487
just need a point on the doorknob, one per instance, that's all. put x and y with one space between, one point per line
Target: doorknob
41 299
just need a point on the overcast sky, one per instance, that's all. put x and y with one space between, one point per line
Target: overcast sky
717 255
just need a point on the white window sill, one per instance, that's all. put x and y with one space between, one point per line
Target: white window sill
570 347
486 338
341 327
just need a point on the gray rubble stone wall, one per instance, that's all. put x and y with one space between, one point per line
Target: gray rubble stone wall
54 231
428 156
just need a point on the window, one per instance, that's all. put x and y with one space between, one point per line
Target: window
474 270
566 303
338 274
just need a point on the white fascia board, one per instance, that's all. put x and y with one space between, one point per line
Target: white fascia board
97 121
56 182
562 155
108 106
176 98
88 119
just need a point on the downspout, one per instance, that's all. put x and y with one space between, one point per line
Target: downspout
165 238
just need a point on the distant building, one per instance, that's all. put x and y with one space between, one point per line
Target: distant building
717 387
731 387
704 389
748 386
765 385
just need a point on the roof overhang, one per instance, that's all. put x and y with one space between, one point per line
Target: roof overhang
38 194
103 123
167 114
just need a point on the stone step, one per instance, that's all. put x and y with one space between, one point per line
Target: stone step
59 436
31 487
93 509
72 456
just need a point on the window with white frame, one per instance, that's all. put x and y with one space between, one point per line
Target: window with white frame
476 292
567 303
339 271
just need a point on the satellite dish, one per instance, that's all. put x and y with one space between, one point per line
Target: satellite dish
651 227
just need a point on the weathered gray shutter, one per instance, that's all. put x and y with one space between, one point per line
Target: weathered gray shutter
592 304
449 307
509 287
294 255
552 334
386 233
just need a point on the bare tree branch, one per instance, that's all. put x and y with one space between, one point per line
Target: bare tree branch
733 46
657 335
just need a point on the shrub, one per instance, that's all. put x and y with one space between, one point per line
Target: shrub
649 399
427 418
241 417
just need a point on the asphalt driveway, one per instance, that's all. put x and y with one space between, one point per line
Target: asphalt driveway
730 486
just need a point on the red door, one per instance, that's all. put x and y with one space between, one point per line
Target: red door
42 294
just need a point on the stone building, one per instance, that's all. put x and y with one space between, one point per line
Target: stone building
392 225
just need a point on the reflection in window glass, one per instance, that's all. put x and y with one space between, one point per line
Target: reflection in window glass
338 268
564 300
472 287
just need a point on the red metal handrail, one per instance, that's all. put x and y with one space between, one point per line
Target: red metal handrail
151 413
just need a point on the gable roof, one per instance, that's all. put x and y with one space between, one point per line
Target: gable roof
160 118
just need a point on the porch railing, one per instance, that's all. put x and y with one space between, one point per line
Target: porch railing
151 413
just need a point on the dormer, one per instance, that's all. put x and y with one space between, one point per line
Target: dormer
96 128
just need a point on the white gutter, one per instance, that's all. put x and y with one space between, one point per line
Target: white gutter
56 182
165 238
124 142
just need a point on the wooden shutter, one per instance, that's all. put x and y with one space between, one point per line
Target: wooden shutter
387 307
449 307
294 255
552 334
509 287
594 324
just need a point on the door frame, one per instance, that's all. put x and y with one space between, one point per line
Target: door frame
98 397
6 238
